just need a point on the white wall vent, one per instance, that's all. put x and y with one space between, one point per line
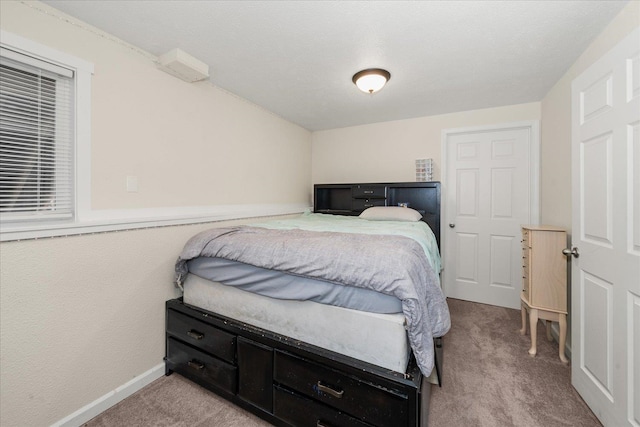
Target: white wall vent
184 66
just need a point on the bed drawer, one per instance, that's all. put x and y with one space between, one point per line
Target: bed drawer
362 204
368 402
366 191
301 411
201 367
206 337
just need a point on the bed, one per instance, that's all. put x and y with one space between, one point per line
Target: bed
301 335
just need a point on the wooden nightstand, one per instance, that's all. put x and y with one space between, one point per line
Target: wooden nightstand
544 282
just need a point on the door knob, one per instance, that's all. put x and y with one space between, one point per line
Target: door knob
573 251
452 225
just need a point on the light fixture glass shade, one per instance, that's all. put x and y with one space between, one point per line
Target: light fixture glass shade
371 80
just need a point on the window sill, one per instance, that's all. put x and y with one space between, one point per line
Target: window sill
130 219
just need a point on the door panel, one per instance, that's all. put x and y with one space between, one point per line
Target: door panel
596 99
597 361
467 192
502 273
596 206
503 149
634 354
467 151
634 192
502 193
467 256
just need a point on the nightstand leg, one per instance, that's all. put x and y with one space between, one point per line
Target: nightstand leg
533 326
562 321
523 311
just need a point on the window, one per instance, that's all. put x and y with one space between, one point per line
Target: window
36 139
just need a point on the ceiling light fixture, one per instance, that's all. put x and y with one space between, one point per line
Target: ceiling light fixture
371 80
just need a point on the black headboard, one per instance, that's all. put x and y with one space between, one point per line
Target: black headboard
352 199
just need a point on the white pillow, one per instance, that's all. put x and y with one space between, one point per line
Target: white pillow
391 213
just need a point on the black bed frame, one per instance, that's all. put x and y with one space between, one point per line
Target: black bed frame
290 382
352 199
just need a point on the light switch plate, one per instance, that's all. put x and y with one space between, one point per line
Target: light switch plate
132 184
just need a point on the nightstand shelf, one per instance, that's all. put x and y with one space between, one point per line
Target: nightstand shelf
544 282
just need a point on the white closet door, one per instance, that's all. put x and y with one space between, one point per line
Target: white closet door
488 197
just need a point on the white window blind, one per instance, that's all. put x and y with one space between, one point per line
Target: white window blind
36 139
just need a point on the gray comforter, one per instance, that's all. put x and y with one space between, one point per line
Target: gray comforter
393 265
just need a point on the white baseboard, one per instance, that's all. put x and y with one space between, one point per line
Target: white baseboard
105 402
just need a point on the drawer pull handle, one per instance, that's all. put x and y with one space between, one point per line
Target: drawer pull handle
335 393
368 191
195 335
196 365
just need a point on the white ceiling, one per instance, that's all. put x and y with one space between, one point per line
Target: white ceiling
296 58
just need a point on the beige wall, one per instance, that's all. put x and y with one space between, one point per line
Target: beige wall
555 155
386 152
189 144
82 315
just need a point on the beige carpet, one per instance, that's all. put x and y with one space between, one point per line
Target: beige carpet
489 380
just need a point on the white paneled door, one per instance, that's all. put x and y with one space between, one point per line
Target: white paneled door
488 196
606 235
